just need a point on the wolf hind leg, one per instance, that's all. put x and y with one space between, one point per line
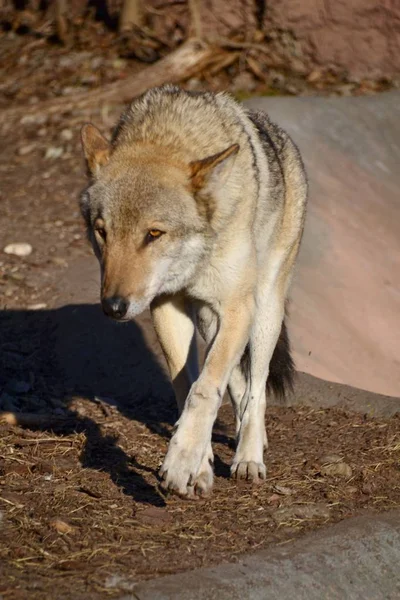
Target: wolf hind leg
248 462
238 388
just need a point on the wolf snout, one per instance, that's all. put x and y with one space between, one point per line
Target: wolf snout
115 307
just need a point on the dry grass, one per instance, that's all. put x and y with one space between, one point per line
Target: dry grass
83 508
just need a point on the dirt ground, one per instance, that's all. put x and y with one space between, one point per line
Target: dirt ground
80 507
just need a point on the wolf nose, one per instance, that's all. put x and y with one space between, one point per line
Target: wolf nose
114 307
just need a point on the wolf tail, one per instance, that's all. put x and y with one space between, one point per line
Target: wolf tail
282 368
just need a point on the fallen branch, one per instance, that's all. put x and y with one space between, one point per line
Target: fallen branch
187 60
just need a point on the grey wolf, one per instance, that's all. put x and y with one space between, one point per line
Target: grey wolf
195 209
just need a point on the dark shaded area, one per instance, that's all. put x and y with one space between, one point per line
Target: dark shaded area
48 357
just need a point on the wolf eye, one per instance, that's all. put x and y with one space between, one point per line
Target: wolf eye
101 232
153 234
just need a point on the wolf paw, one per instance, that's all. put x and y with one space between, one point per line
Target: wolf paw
250 470
181 474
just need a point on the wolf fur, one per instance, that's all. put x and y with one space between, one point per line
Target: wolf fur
196 209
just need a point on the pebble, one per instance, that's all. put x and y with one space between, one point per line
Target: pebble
33 120
329 459
18 249
66 135
301 511
38 306
23 150
244 81
61 526
59 261
339 469
54 152
282 490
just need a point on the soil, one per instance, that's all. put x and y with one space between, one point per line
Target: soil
80 506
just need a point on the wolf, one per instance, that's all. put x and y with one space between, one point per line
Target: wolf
195 209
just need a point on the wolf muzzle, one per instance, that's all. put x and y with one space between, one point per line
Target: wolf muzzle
115 307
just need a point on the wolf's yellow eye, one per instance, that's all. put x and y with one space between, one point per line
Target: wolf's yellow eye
101 232
153 234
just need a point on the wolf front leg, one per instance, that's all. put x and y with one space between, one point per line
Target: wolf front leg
174 322
189 446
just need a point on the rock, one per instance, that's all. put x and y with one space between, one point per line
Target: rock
96 62
244 81
18 249
193 84
302 512
23 150
292 89
274 499
119 63
34 120
282 490
66 135
38 306
61 526
59 261
329 459
339 469
315 75
120 583
298 66
54 152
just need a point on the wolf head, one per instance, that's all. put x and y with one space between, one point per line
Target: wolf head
149 216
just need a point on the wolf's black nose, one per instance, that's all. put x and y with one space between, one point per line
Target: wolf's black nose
114 307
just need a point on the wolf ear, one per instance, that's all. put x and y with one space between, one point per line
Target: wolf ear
95 148
210 170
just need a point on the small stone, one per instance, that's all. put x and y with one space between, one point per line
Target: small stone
18 249
329 459
298 66
38 306
54 152
66 135
34 120
301 512
61 526
23 150
119 63
282 490
96 62
340 469
315 75
292 89
59 261
193 84
274 499
244 82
